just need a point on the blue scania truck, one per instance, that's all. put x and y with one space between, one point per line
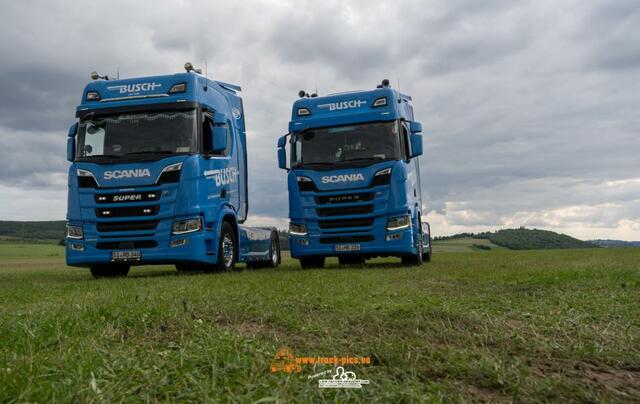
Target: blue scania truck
354 178
159 176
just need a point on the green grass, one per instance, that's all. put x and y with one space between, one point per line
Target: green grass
463 245
490 326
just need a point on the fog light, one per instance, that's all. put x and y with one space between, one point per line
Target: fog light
394 236
302 241
179 242
74 232
76 246
297 229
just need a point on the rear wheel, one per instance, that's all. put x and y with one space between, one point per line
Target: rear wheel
109 271
227 248
312 262
351 260
274 251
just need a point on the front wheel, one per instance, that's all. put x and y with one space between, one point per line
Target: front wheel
426 255
416 259
227 248
109 271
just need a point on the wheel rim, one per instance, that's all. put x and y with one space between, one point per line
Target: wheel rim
274 252
227 250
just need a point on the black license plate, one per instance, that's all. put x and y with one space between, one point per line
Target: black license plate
129 255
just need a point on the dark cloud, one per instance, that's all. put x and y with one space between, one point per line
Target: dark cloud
529 108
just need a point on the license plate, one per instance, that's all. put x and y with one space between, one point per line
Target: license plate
130 255
347 247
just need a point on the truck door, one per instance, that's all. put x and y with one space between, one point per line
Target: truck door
222 167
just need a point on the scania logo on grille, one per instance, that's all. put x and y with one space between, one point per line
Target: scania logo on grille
138 172
342 178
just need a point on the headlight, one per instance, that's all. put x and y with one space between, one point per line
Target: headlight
382 177
304 183
297 229
398 223
74 232
186 226
169 174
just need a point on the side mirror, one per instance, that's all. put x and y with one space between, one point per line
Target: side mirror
282 152
218 131
415 127
416 144
219 134
71 142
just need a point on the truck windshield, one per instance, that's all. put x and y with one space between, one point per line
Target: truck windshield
135 134
346 145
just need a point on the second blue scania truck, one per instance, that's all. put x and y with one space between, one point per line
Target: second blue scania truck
354 178
159 176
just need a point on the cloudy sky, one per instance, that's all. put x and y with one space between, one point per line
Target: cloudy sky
530 108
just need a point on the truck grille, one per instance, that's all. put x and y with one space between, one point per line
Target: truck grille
335 224
127 197
344 198
127 226
127 211
348 210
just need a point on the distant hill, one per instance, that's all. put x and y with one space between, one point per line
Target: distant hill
32 232
524 239
614 243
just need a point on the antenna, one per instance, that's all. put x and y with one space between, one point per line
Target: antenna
398 83
206 75
117 72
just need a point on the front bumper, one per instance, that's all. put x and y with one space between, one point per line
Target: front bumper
310 245
199 248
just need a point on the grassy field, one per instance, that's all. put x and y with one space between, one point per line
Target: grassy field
485 326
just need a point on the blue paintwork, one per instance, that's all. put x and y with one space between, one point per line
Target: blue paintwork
195 195
400 197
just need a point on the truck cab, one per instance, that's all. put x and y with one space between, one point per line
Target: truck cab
354 178
159 176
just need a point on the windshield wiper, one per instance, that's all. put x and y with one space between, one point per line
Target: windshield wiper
361 159
98 156
150 152
319 163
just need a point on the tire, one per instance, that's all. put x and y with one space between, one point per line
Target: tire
426 257
109 271
312 262
351 260
416 259
227 248
274 251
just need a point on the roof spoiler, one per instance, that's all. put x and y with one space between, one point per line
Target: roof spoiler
228 86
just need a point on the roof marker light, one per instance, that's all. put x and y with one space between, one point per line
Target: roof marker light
303 112
178 88
380 102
